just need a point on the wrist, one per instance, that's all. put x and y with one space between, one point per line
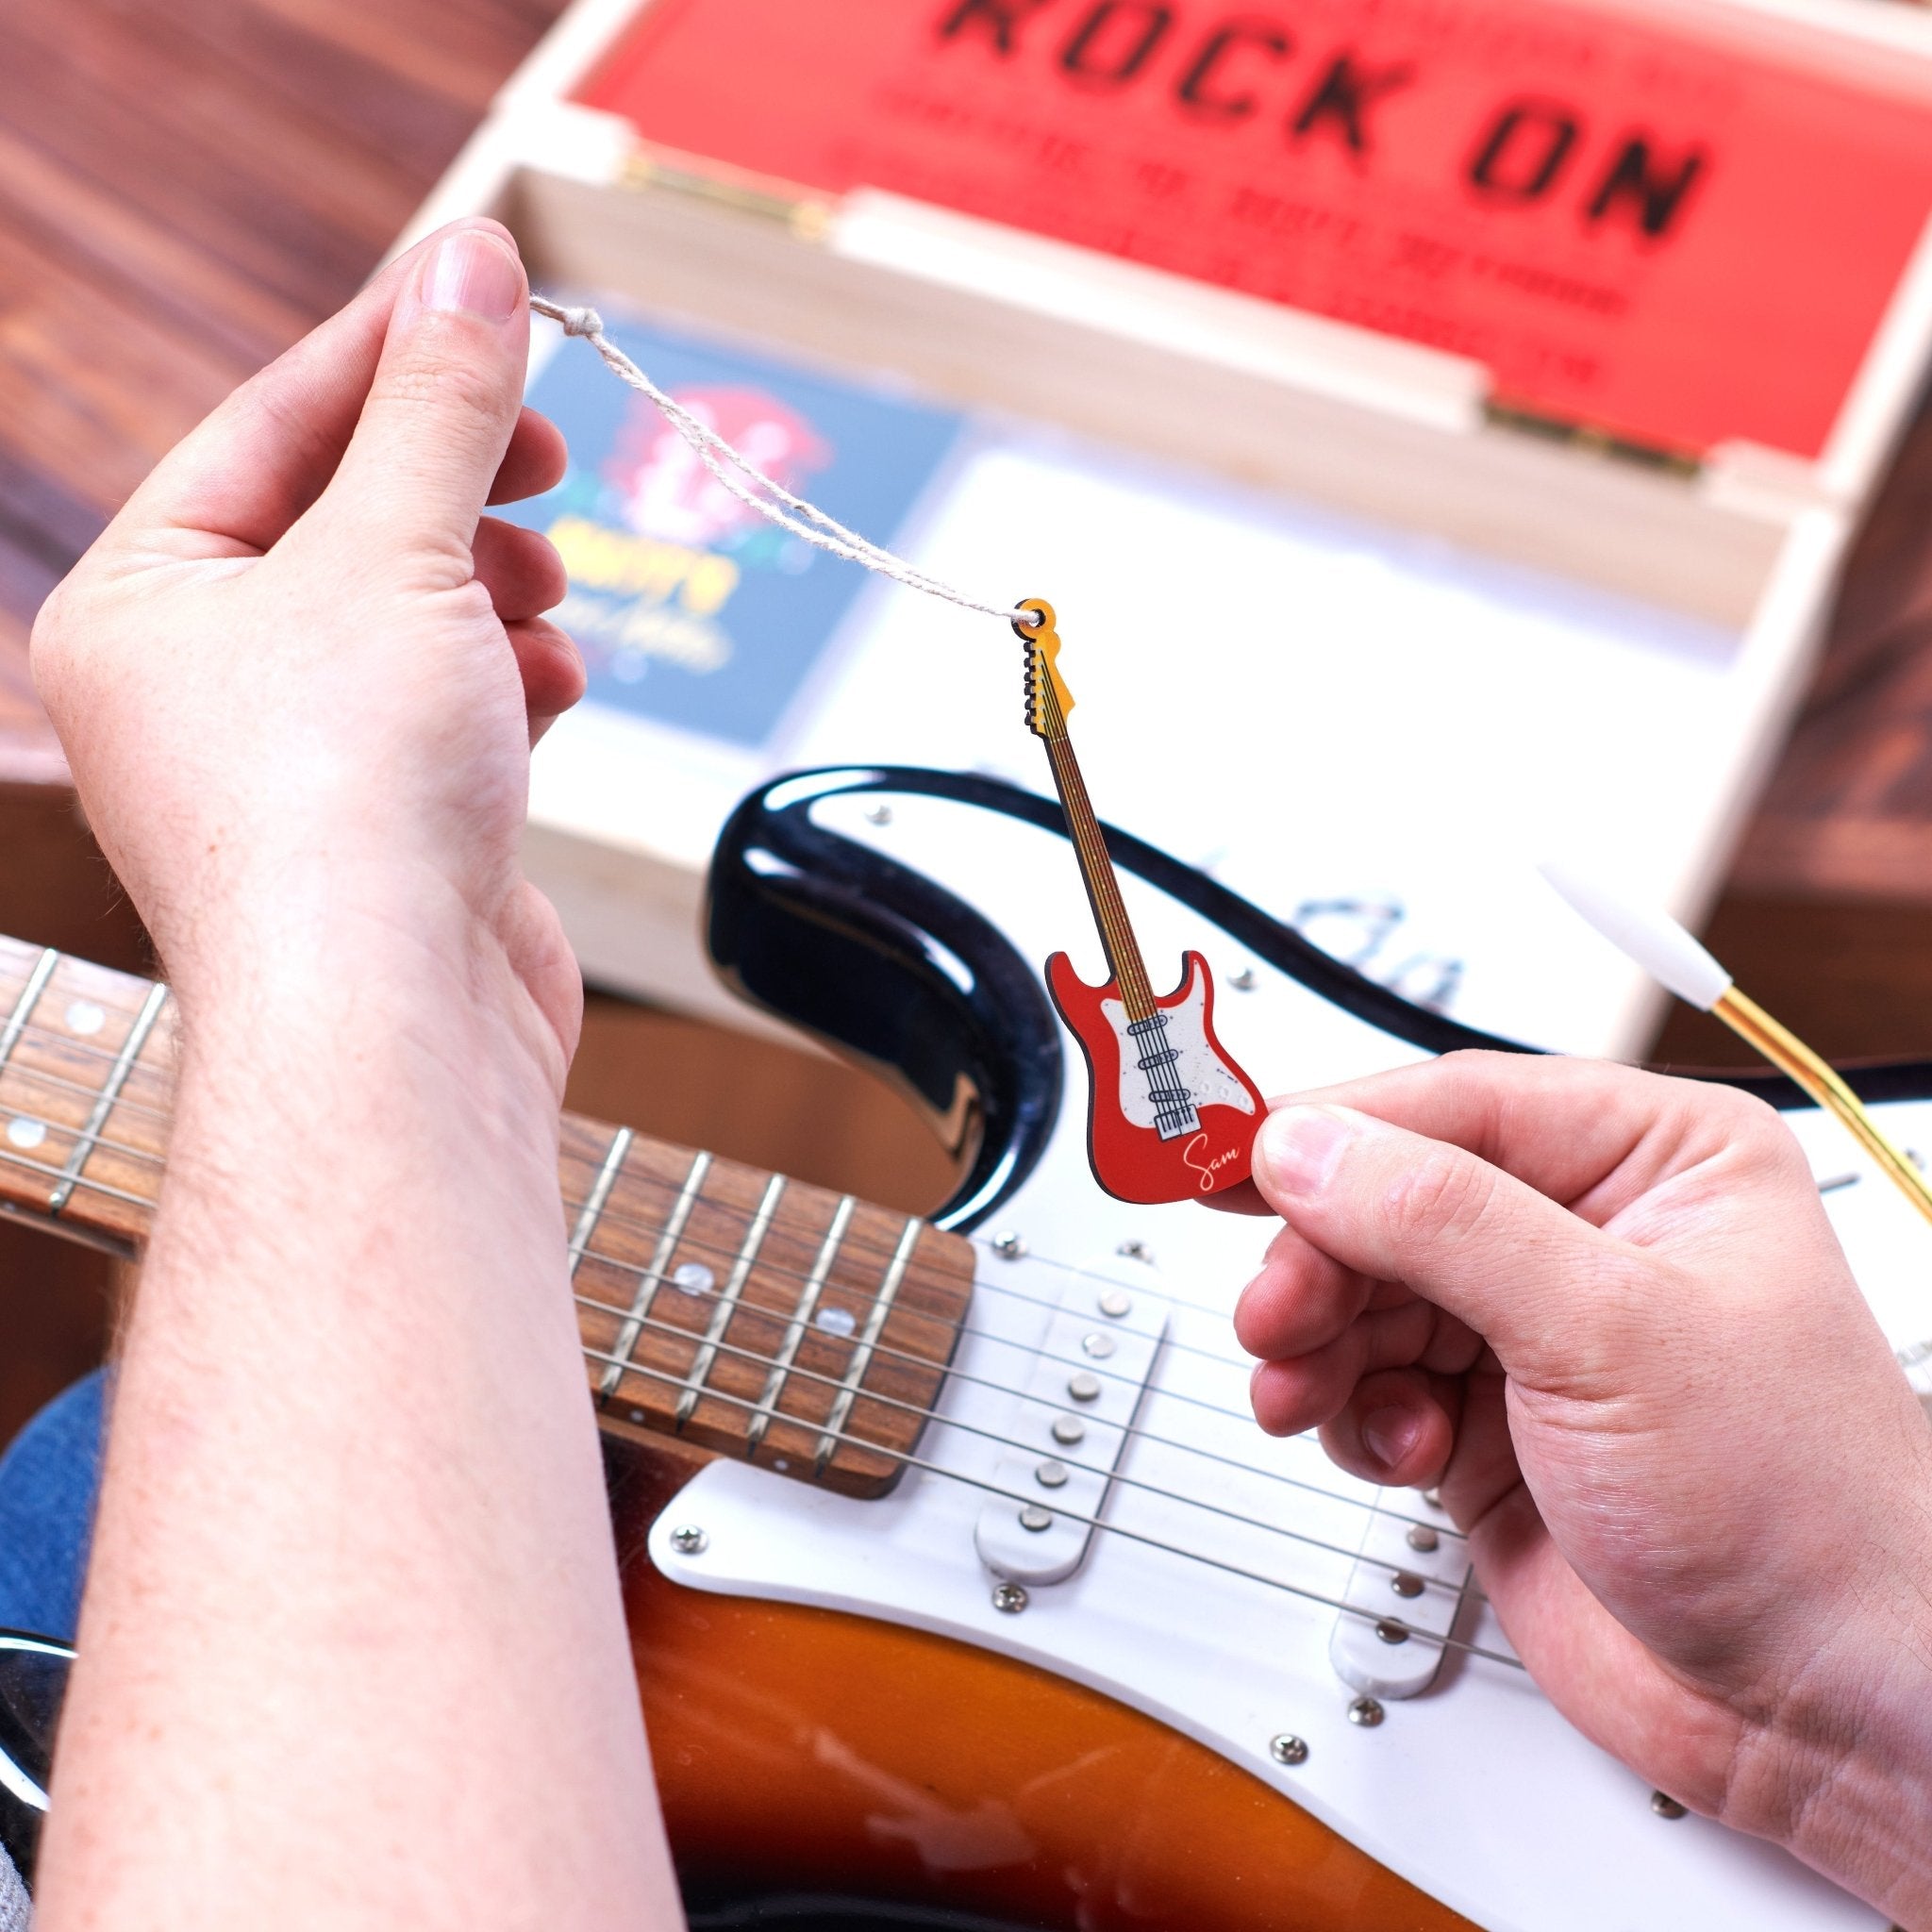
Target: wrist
1842 1776
377 981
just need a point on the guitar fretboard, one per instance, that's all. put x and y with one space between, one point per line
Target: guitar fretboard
748 1314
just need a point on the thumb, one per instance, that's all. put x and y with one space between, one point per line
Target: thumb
443 404
1546 1290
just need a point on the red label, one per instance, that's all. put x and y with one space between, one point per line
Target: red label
1669 239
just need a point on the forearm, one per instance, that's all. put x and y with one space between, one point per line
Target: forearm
352 1650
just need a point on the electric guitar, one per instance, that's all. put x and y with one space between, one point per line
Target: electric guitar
1169 1114
963 1590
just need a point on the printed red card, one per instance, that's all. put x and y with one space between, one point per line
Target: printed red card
1671 239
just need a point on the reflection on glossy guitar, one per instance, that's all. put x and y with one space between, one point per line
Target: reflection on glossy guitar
1170 1114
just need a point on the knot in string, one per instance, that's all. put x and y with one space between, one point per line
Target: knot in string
750 485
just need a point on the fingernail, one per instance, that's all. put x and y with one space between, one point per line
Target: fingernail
474 274
1389 1435
1299 1147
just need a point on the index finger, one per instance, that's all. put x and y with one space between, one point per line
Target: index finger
1591 1134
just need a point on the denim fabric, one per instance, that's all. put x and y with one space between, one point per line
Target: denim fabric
48 1478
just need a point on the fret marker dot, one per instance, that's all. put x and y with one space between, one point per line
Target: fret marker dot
83 1016
836 1320
26 1133
693 1277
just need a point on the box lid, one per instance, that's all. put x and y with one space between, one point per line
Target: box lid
1685 231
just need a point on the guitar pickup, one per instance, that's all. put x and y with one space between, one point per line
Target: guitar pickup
1405 1589
1072 1424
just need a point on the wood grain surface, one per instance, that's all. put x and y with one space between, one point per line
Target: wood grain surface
187 186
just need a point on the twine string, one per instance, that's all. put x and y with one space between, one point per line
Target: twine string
749 484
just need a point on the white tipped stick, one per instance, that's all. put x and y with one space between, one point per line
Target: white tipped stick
1650 937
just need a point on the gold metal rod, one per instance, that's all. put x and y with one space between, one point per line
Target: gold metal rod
1790 1054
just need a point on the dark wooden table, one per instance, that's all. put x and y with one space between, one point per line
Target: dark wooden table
188 185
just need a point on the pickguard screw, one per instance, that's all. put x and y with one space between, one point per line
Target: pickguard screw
688 1540
1115 1302
1421 1537
1286 1748
1009 1597
879 814
1667 1806
1366 1712
1083 1387
1405 1583
1391 1630
1242 979
1008 1246
1068 1429
1136 1250
1036 1519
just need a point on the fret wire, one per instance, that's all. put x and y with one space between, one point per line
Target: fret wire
648 1284
861 1357
1134 1429
729 1300
834 1429
108 1005
23 1006
807 1306
600 1192
911 1462
111 1091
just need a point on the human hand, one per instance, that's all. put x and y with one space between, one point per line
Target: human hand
1604 1312
298 676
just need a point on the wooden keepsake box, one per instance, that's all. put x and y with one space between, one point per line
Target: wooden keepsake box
1437 424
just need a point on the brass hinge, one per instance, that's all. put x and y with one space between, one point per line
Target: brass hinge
1581 436
806 214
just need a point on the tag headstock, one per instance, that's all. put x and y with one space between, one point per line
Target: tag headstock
1048 700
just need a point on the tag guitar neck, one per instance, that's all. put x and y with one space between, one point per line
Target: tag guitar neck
1048 701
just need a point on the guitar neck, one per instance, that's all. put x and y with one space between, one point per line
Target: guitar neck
745 1313
1096 871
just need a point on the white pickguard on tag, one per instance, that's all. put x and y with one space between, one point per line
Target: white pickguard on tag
1199 1068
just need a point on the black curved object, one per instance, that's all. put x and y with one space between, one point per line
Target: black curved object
33 1685
893 968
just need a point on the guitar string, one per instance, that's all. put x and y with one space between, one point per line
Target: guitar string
700 1341
949 1371
76 1137
1087 1364
1095 1365
908 1460
660 1279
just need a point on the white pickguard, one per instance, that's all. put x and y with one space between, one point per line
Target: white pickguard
1199 1068
1475 1790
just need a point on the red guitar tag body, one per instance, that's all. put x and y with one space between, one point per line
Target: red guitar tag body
1169 1115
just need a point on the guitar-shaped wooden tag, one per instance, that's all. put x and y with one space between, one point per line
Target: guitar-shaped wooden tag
1170 1117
